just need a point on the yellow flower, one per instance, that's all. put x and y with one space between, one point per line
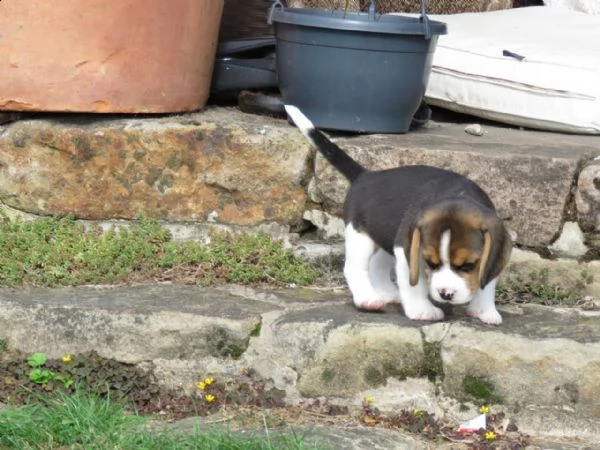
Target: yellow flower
490 435
368 399
208 381
484 410
209 398
201 385
67 358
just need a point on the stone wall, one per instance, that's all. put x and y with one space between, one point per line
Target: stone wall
225 167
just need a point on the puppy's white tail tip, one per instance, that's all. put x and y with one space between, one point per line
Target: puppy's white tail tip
299 118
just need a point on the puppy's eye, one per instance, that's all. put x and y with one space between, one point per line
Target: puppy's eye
466 267
432 265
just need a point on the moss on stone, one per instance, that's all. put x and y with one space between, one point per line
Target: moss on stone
235 351
480 389
429 365
369 361
328 375
373 376
256 330
432 365
222 344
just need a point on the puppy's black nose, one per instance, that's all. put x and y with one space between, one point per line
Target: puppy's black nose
446 294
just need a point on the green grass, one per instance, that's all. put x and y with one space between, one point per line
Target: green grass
58 252
537 286
86 421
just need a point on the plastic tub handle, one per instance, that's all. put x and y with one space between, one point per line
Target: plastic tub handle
425 19
372 11
276 4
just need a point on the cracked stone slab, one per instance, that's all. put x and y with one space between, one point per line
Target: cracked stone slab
131 324
542 363
528 174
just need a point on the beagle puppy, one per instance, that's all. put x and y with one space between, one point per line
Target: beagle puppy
438 229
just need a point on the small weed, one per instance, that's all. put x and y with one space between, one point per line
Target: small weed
44 376
53 252
235 351
587 277
37 360
3 345
480 390
256 330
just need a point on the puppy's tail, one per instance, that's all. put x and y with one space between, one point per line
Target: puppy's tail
335 155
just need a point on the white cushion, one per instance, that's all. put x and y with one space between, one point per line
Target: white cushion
557 86
586 6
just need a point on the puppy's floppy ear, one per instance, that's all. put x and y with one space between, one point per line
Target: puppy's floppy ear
497 246
485 255
415 256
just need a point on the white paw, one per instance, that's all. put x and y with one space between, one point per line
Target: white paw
490 316
369 305
365 297
424 311
387 295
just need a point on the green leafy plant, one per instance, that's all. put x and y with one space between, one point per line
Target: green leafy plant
37 373
41 376
37 360
45 376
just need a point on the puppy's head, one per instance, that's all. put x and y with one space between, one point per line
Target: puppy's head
464 248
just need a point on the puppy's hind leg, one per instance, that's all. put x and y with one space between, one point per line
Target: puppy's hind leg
359 250
415 299
380 273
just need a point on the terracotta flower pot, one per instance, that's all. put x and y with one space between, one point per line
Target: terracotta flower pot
107 56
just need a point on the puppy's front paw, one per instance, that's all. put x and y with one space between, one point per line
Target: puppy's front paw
424 311
369 305
489 316
388 296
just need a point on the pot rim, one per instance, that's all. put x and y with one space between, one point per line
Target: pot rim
357 21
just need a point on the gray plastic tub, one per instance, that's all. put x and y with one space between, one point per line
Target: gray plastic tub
354 71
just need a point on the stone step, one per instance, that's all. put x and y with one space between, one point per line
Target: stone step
222 166
540 366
